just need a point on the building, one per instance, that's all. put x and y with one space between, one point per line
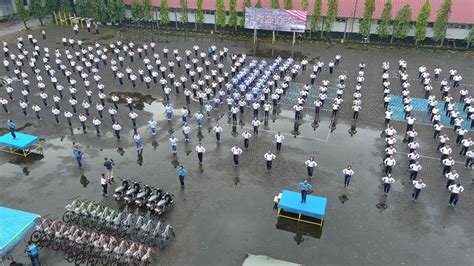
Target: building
7 9
350 12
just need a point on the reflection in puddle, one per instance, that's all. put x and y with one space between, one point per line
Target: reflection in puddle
236 180
175 163
299 229
343 198
84 181
381 206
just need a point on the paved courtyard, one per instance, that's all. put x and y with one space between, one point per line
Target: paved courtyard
226 212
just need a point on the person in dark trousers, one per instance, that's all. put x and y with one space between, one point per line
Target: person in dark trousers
418 185
269 157
181 173
455 190
32 250
348 173
109 166
103 183
200 152
305 189
78 154
387 183
11 127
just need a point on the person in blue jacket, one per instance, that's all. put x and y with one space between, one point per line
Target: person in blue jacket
11 126
33 254
181 173
78 154
305 189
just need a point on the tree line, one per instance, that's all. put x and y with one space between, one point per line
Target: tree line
393 26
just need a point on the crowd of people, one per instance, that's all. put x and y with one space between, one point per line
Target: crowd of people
218 80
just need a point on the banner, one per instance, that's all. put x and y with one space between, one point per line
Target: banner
275 19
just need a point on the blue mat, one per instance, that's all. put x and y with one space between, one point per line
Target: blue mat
14 226
420 111
22 140
291 202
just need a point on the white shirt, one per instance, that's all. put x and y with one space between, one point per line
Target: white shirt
419 185
246 135
269 156
200 149
448 162
116 127
415 167
455 189
97 122
173 141
446 150
452 176
348 171
151 123
236 150
279 138
388 180
390 162
218 129
310 163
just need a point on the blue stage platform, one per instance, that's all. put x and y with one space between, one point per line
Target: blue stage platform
22 145
420 111
290 207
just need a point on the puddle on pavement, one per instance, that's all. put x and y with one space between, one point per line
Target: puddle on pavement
120 151
26 125
157 108
343 198
175 163
236 180
299 229
139 100
32 158
381 206
84 181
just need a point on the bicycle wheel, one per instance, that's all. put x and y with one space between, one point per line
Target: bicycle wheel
105 259
36 236
161 244
67 216
44 241
56 245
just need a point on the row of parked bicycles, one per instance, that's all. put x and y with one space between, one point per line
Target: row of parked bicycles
103 219
82 246
155 199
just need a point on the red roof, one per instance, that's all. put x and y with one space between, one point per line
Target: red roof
462 10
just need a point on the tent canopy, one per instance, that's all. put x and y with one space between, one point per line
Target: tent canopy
14 226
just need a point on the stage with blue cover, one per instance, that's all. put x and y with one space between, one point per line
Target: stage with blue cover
291 207
23 144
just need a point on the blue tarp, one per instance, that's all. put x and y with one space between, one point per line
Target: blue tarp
14 226
22 140
291 202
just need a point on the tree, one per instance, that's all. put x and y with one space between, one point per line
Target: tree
200 13
232 14
366 23
440 26
402 21
422 22
331 14
258 4
38 10
22 12
137 10
82 8
245 4
183 15
220 13
385 22
147 9
304 4
275 4
470 38
164 13
316 15
101 10
117 10
288 4
65 6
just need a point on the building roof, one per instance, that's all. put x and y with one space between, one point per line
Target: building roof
461 9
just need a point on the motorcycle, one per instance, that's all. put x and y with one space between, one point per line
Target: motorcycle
142 197
164 203
154 198
121 190
132 192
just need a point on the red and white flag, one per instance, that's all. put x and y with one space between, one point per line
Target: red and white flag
298 14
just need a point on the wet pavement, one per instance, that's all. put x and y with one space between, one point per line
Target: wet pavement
225 211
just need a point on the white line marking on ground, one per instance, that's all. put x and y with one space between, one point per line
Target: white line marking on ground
288 134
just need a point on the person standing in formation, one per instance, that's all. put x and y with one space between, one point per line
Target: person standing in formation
236 151
418 185
310 165
279 140
200 152
387 183
348 173
455 190
269 157
247 137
